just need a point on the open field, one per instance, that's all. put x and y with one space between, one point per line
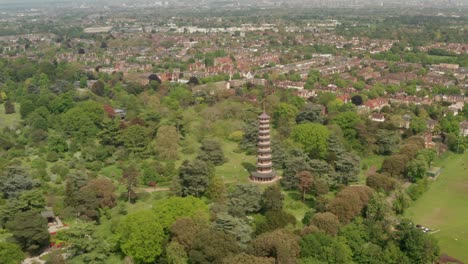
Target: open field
444 207
232 171
367 163
9 120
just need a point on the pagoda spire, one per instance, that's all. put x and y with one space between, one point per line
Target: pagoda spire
264 172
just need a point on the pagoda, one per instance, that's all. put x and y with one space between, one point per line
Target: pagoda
265 172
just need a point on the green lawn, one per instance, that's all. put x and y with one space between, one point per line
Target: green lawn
367 163
232 171
10 120
444 207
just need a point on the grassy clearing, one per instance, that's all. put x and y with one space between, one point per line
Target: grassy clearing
232 171
443 207
294 206
10 120
367 163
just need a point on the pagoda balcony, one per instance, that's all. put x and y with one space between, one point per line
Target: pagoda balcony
264 156
264 170
264 150
264 143
264 136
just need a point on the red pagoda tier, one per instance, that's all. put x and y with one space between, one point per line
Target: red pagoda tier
265 172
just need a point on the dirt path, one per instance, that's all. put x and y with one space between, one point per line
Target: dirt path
153 189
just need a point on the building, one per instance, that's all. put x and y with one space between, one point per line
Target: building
264 171
377 117
464 128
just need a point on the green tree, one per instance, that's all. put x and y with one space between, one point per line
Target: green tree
29 230
319 246
244 199
194 177
326 222
313 138
167 143
280 244
418 246
235 226
15 180
418 125
305 182
272 198
211 151
212 246
10 253
176 254
171 209
135 138
416 168
141 236
310 113
387 141
84 244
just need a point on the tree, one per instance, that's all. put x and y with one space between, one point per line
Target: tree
141 236
306 180
380 182
9 107
347 121
280 244
418 246
274 220
326 222
418 125
349 202
284 117
247 259
171 209
176 254
211 151
212 246
27 107
357 100
395 165
310 113
235 226
193 81
13 181
29 230
154 77
347 167
194 177
272 198
103 189
130 177
81 121
184 231
416 168
84 244
387 141
10 253
167 143
321 247
75 181
244 199
135 138
313 137
98 88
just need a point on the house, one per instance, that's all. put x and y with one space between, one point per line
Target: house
377 117
376 104
428 143
122 113
464 128
431 124
456 107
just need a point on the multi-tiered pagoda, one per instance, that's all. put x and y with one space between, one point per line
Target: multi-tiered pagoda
264 171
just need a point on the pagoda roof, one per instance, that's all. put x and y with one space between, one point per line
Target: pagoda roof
264 115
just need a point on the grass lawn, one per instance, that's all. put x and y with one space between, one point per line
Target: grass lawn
444 207
232 171
10 120
367 163
295 207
